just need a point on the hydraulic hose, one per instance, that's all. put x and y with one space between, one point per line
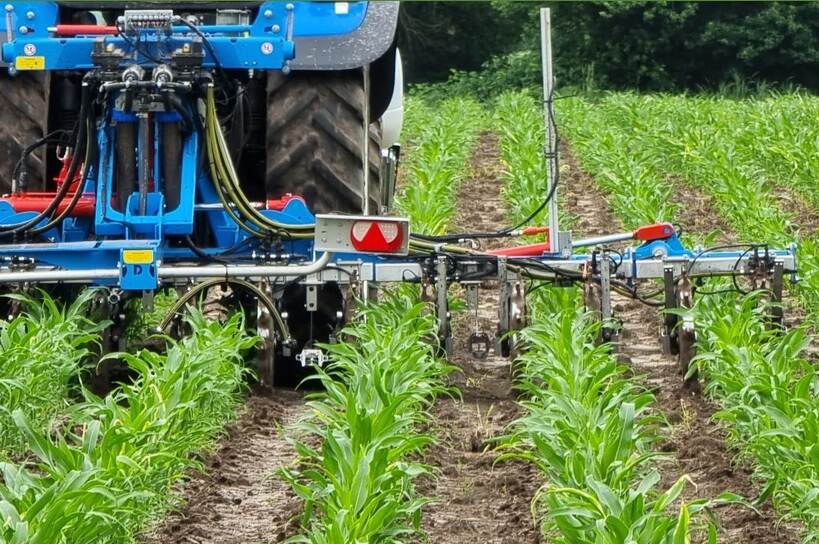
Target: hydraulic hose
89 159
18 228
224 173
180 304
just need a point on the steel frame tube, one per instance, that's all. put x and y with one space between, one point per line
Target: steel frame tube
193 272
59 275
600 240
252 271
548 85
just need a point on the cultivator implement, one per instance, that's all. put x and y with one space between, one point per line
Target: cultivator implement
149 196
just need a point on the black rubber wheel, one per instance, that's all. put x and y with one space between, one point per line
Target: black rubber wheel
314 140
23 114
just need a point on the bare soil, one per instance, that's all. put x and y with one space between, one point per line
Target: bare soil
804 216
477 500
239 500
697 212
696 445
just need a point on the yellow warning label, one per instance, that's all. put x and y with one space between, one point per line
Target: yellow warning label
138 256
30 63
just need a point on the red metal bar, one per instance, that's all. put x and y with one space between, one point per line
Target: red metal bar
657 231
76 30
533 250
37 202
278 204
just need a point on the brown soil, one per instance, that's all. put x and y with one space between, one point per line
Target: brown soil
697 212
804 216
696 445
239 500
477 500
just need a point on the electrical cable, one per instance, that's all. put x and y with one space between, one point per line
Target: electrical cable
49 138
509 231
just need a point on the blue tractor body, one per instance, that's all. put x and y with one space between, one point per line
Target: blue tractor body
148 71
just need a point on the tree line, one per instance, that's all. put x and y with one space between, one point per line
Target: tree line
645 45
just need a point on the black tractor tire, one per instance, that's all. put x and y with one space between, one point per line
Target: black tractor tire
315 130
23 117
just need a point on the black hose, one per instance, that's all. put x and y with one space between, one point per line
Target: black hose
79 149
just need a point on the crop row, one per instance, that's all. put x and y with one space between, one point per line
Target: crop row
42 351
108 471
765 387
359 449
358 483
440 142
697 139
587 427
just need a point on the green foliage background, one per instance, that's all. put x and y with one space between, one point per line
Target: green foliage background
646 45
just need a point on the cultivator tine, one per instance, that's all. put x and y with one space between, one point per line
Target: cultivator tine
512 312
597 296
266 329
777 311
478 342
768 276
608 332
686 332
670 344
502 339
442 306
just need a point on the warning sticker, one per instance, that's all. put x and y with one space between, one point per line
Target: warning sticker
30 63
138 256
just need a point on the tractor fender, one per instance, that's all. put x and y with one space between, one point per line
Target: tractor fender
368 43
392 120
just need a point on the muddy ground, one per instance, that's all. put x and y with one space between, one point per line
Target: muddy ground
239 500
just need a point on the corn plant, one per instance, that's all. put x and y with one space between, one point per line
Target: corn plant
714 144
765 388
589 430
42 352
768 393
522 132
440 143
358 485
113 471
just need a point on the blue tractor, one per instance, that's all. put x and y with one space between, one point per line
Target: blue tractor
138 142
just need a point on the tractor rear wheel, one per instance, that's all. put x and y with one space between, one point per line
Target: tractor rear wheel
23 113
315 128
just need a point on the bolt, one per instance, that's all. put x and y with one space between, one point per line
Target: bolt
289 7
9 8
30 15
268 13
23 30
276 29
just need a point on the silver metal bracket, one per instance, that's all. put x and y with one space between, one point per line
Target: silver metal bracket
442 305
311 357
608 332
311 292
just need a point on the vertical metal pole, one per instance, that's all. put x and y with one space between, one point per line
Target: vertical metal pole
365 150
144 166
551 135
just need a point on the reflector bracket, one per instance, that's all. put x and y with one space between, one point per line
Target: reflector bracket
362 234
